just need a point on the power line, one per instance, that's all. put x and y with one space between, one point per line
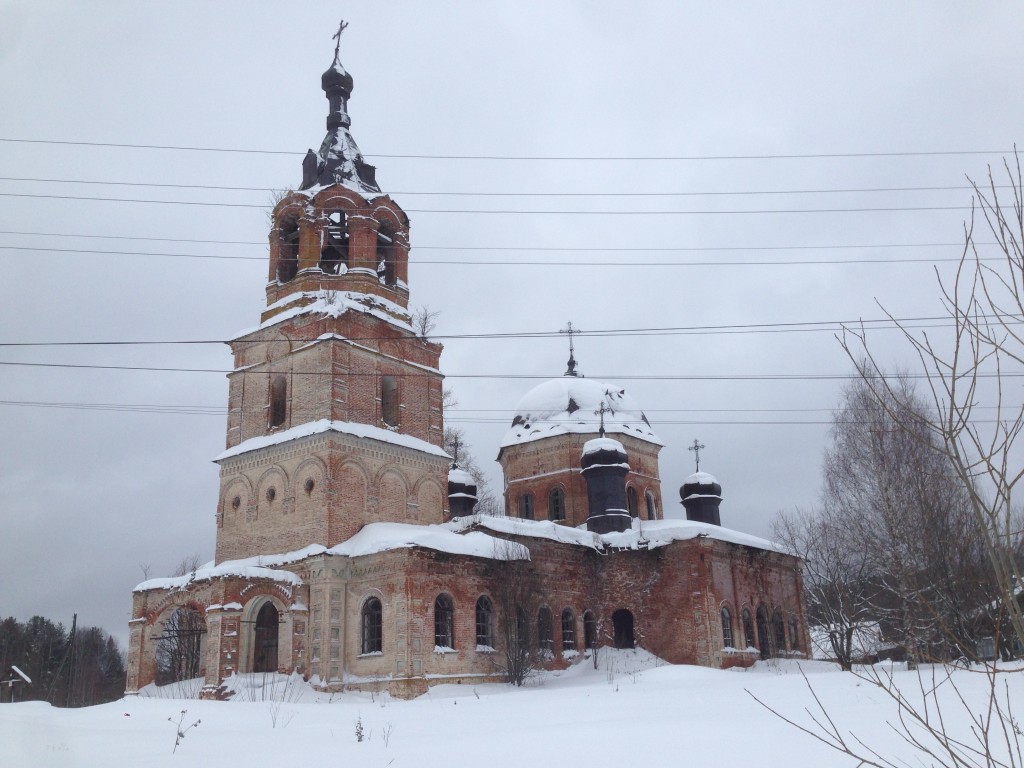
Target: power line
804 325
503 376
538 158
467 211
527 263
222 188
544 248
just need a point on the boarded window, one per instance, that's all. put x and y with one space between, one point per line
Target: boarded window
526 506
748 629
589 630
278 401
373 626
556 504
444 622
389 400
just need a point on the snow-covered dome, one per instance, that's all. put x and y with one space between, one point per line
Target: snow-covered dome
570 405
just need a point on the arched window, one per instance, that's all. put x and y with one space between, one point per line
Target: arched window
652 508
389 400
334 254
726 627
387 270
778 632
545 632
526 506
278 401
748 629
444 622
180 648
373 627
632 501
484 623
288 252
556 504
568 630
589 630
763 638
794 642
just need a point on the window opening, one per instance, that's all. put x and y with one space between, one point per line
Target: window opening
179 651
521 640
622 626
386 268
545 631
334 254
632 502
763 638
484 622
793 635
779 632
444 622
373 626
288 253
556 504
589 630
652 509
389 400
526 506
264 658
726 628
568 630
748 629
278 401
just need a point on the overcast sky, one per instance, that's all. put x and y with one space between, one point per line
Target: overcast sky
724 142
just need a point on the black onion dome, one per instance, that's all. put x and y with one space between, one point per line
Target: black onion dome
336 76
603 452
700 484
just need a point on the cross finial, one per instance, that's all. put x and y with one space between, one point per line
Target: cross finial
456 444
337 36
571 369
601 412
696 448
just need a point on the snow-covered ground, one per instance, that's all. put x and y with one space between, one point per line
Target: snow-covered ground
631 710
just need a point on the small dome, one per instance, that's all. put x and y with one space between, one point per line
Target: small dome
603 452
700 485
568 405
336 76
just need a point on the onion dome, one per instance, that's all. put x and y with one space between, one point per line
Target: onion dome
337 76
571 404
701 496
603 452
462 491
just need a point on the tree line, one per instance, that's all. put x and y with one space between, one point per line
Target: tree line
74 667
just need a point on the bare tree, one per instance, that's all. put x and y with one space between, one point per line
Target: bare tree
517 599
424 321
179 649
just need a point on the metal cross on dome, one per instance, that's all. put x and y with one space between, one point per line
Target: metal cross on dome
696 448
601 412
337 36
456 444
571 369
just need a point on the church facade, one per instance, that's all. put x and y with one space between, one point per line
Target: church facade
347 549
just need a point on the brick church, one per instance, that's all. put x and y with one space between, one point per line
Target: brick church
347 546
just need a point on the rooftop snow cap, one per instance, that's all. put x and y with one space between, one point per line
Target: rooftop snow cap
603 451
339 160
701 496
571 404
462 491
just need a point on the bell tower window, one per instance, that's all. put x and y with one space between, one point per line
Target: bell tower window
288 253
278 401
387 271
389 400
334 255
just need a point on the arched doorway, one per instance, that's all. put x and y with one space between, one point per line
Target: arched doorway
622 626
264 652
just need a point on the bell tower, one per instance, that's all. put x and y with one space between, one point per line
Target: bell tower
334 404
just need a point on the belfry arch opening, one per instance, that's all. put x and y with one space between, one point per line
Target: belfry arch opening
265 638
334 253
622 629
288 251
387 268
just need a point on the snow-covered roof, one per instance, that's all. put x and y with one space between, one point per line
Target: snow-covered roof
700 478
599 444
460 476
568 404
331 303
249 568
326 425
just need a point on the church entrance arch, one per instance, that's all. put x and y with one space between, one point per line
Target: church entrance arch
622 628
265 639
